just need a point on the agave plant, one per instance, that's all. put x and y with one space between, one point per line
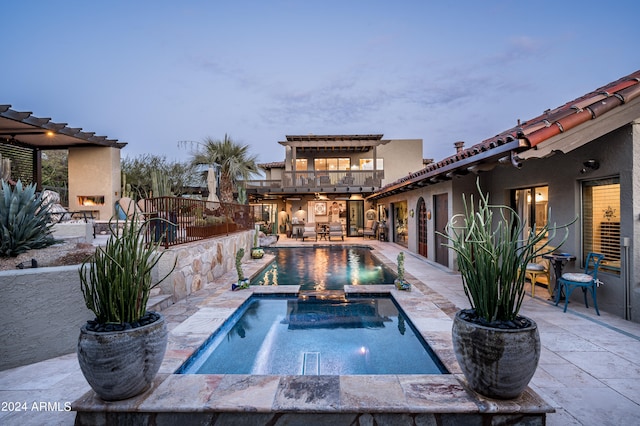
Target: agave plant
116 280
25 221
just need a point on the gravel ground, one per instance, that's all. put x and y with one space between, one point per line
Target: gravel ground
67 253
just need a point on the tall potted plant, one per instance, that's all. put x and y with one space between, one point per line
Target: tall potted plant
120 351
497 348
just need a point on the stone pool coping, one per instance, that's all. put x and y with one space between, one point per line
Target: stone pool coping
321 399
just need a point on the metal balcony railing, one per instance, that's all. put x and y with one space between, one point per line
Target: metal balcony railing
175 220
322 180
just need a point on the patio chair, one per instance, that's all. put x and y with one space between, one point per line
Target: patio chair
538 272
371 231
335 230
310 231
588 280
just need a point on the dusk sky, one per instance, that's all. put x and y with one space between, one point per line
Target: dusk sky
153 73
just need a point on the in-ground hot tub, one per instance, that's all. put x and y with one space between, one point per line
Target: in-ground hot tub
314 336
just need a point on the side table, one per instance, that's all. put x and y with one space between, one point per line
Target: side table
558 260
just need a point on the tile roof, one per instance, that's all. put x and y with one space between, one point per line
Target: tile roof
526 135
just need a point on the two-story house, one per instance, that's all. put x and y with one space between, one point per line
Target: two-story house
326 178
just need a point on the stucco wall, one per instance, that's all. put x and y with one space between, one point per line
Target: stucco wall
412 197
41 313
401 157
633 231
78 230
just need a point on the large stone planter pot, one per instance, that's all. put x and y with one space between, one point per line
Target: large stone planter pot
498 363
122 364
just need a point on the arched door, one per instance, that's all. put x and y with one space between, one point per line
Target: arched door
422 227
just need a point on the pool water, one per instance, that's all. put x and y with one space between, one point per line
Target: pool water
290 336
324 268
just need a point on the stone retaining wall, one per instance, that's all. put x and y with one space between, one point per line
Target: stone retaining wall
201 262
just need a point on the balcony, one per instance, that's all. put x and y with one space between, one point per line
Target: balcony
352 181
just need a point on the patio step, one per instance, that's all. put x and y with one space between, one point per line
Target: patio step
311 364
159 302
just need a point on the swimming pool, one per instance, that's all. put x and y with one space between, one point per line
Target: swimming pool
278 335
324 268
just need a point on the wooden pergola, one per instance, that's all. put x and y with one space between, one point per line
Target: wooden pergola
24 136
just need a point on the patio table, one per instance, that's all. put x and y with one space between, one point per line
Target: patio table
558 260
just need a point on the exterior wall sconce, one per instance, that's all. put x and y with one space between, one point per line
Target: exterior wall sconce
589 166
428 214
411 213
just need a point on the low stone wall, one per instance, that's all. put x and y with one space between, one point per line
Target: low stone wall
200 262
41 312
42 309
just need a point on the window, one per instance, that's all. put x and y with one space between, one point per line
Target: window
532 205
332 164
601 221
367 164
301 164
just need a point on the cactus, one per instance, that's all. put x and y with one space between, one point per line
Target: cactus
400 283
126 187
239 256
242 195
160 184
401 266
242 281
25 221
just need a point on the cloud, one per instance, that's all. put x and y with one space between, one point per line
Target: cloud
518 49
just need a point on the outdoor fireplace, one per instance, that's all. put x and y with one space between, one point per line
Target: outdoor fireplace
91 200
94 180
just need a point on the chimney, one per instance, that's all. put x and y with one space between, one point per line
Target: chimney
459 146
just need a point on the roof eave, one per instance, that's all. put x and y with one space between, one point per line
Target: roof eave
489 158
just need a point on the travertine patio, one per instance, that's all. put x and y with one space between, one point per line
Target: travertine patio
588 372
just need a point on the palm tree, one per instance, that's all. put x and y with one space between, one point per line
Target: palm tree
235 163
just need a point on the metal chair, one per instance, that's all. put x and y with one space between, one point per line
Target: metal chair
587 281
